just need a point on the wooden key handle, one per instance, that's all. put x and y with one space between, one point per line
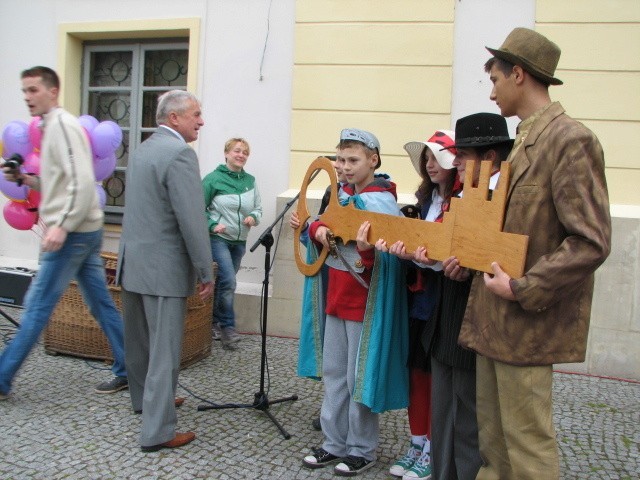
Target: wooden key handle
320 163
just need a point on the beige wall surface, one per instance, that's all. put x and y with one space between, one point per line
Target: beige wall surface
600 67
388 68
376 65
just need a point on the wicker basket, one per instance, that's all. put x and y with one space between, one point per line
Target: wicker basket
73 331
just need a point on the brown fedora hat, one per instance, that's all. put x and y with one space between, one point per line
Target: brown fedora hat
534 52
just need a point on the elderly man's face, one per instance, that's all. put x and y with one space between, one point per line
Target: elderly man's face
188 122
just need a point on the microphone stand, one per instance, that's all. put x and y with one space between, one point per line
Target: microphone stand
261 400
8 317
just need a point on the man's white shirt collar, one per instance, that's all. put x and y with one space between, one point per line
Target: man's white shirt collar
493 182
174 132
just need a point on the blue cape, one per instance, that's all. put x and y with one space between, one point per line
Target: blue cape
312 320
382 376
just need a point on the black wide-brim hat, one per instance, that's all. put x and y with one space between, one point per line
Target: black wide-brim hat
480 130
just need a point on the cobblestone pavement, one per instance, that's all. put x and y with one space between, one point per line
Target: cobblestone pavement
53 426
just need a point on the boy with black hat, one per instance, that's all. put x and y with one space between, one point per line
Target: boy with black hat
483 136
520 327
454 428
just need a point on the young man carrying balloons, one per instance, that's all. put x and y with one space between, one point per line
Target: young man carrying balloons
72 239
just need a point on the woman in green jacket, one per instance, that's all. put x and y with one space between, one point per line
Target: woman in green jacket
233 206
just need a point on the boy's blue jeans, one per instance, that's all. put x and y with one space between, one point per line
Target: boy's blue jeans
228 257
79 257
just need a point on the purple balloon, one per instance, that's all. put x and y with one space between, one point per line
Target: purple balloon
104 167
12 190
117 140
15 137
105 138
88 122
102 195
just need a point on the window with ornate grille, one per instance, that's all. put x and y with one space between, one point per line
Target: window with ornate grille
122 82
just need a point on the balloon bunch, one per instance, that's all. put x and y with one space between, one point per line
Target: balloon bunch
23 141
105 138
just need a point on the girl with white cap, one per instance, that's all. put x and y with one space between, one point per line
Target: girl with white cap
433 160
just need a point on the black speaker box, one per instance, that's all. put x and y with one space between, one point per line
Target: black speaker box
14 283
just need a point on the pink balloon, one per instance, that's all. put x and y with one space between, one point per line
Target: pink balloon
12 190
15 137
32 163
33 199
102 195
88 122
105 138
18 215
104 167
35 134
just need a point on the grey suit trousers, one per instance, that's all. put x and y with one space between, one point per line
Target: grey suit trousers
153 330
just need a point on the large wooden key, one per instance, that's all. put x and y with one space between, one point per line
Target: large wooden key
471 230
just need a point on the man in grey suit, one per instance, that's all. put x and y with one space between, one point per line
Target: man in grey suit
163 249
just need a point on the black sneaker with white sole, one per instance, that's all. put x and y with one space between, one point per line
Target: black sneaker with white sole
352 466
319 458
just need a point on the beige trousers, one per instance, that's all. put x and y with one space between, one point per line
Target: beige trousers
515 422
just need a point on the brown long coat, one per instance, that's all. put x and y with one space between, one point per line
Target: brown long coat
558 196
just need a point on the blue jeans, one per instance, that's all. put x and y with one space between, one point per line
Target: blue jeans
228 257
79 257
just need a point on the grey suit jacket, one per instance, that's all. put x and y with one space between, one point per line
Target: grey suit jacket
164 245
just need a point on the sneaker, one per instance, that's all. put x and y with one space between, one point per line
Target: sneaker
4 396
421 469
319 458
229 346
352 466
229 338
216 334
112 386
231 334
399 468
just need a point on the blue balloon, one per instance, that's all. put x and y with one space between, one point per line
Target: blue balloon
104 167
88 122
15 137
105 139
12 190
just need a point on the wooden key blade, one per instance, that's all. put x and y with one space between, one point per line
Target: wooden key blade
478 248
478 218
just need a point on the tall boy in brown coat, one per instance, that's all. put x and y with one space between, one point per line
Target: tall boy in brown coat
520 327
